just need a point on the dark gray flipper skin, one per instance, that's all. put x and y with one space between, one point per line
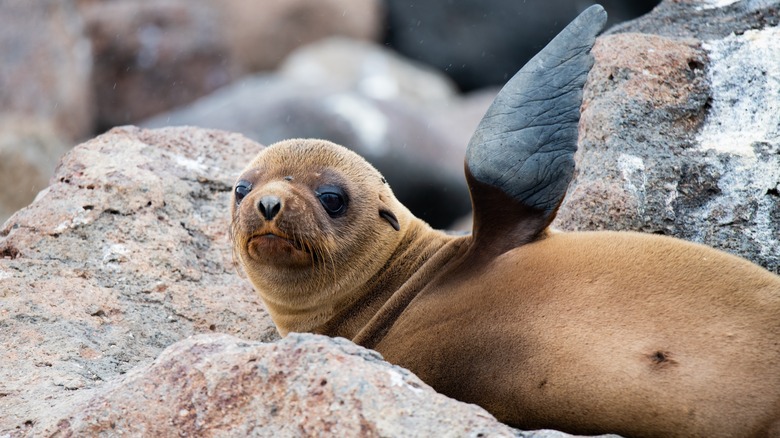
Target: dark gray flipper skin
525 144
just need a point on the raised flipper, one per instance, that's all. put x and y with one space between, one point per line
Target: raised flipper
521 158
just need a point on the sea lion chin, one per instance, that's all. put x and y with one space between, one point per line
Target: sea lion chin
275 250
584 332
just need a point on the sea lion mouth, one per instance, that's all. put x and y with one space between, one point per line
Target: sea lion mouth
273 240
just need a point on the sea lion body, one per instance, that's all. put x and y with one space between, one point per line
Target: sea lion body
586 332
598 332
592 332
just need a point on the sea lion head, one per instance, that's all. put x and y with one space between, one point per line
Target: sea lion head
311 223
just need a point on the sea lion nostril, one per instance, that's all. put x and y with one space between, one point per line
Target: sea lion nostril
269 206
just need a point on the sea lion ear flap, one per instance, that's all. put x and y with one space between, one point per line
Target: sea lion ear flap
390 217
523 149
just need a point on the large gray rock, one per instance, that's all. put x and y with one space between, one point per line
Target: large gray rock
125 253
680 133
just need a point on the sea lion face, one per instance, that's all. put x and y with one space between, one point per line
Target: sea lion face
312 221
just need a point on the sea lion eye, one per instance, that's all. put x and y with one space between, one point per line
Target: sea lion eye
333 200
243 188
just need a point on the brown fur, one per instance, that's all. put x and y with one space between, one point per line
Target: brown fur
599 332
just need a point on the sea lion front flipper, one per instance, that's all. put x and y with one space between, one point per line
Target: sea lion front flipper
520 160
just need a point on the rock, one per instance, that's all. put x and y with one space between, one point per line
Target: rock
422 163
704 19
125 253
154 56
211 385
261 34
484 42
373 71
680 136
46 68
29 150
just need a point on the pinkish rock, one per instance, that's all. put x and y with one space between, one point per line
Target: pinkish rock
125 253
154 56
304 385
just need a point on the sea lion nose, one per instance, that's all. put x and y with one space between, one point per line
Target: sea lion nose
269 206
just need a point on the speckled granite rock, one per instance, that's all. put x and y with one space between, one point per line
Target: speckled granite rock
679 131
304 385
125 253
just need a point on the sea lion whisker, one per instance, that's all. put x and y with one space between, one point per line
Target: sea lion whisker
331 264
232 233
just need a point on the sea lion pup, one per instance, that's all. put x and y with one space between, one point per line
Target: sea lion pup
593 332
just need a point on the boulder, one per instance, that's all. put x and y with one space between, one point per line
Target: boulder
679 131
219 385
46 68
125 253
154 56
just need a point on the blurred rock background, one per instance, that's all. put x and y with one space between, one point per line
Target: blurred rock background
403 82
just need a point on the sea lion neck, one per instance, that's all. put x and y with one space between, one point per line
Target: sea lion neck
421 251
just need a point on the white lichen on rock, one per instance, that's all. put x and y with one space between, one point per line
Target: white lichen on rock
714 4
745 78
